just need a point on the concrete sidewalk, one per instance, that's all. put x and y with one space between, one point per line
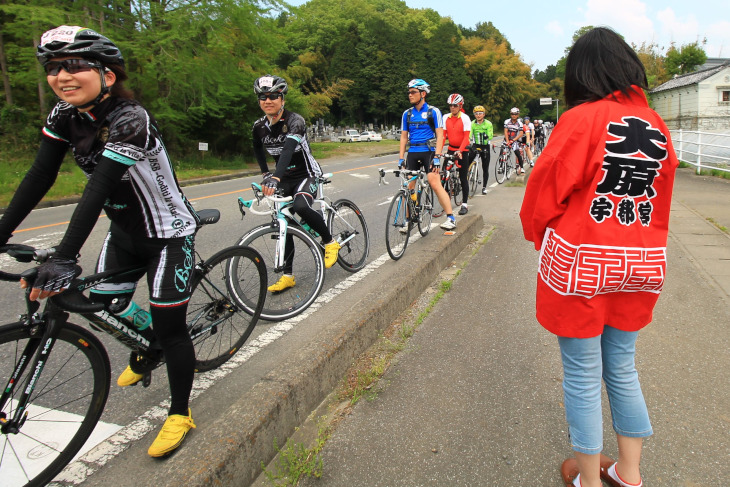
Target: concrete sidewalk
476 398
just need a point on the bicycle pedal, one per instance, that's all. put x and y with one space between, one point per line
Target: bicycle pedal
147 379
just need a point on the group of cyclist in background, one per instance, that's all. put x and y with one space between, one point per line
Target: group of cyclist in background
424 133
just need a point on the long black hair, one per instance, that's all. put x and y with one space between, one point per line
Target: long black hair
600 63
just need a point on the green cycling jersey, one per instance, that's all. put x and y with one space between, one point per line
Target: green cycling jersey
481 133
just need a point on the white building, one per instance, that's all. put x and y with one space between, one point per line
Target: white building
696 101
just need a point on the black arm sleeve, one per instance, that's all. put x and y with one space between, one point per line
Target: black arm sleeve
36 183
106 176
285 157
260 153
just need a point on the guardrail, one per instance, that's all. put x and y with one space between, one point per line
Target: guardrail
709 150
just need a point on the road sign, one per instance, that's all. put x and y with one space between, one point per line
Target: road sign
202 146
546 101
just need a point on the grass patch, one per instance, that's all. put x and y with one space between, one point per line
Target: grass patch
71 181
296 461
720 227
718 173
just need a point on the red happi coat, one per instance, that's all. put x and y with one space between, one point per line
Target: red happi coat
597 207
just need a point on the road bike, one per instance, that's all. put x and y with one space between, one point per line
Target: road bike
539 145
450 178
57 374
504 167
407 207
475 172
345 222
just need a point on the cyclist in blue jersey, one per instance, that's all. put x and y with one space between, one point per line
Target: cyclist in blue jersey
118 146
420 125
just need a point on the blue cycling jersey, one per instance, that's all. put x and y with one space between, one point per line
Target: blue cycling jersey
419 128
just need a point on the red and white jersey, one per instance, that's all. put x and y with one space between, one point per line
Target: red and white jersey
597 207
456 130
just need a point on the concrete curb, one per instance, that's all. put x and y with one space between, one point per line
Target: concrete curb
283 399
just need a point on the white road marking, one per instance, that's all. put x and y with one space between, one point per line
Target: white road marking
387 200
35 455
359 176
76 472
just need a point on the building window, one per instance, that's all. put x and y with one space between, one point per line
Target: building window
724 96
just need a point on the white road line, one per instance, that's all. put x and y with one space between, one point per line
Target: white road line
359 176
76 472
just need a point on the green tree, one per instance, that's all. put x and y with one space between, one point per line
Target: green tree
654 63
685 59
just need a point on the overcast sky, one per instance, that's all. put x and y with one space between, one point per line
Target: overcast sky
541 30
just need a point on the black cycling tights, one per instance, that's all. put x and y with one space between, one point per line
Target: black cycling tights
485 156
168 324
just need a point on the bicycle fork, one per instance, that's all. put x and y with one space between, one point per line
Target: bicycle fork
36 352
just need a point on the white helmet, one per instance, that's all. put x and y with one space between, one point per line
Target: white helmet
455 99
420 85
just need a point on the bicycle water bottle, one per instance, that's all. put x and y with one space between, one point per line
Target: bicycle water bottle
139 317
309 229
414 196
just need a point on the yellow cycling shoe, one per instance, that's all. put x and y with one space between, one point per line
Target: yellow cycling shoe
330 254
284 282
171 435
129 377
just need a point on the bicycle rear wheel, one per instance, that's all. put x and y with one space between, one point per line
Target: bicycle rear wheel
456 189
348 225
500 168
426 211
398 225
216 320
474 175
308 270
65 406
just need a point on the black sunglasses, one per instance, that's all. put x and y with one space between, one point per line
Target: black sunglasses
269 96
71 66
413 92
454 105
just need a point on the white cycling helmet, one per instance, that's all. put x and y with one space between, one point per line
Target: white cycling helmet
514 110
420 85
455 99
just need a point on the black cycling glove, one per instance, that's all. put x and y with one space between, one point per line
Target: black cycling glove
271 182
56 274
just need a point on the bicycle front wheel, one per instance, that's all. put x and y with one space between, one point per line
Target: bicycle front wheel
66 403
474 176
216 319
308 271
426 211
347 226
398 225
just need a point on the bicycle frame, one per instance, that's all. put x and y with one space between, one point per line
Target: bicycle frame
282 215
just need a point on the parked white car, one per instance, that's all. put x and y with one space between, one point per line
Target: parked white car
350 135
369 136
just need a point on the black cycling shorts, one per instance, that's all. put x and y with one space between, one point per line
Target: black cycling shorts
418 160
168 264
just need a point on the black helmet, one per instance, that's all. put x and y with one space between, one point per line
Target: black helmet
269 83
77 41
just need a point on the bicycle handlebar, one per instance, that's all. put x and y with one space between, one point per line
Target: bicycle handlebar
407 172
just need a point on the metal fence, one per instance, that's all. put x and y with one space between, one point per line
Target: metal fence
708 150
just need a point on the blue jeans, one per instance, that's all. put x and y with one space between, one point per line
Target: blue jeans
585 361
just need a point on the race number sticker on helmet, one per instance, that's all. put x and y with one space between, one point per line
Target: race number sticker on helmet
266 81
64 33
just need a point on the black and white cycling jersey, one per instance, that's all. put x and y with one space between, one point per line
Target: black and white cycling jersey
148 201
294 161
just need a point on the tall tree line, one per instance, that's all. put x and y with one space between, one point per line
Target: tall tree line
193 63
